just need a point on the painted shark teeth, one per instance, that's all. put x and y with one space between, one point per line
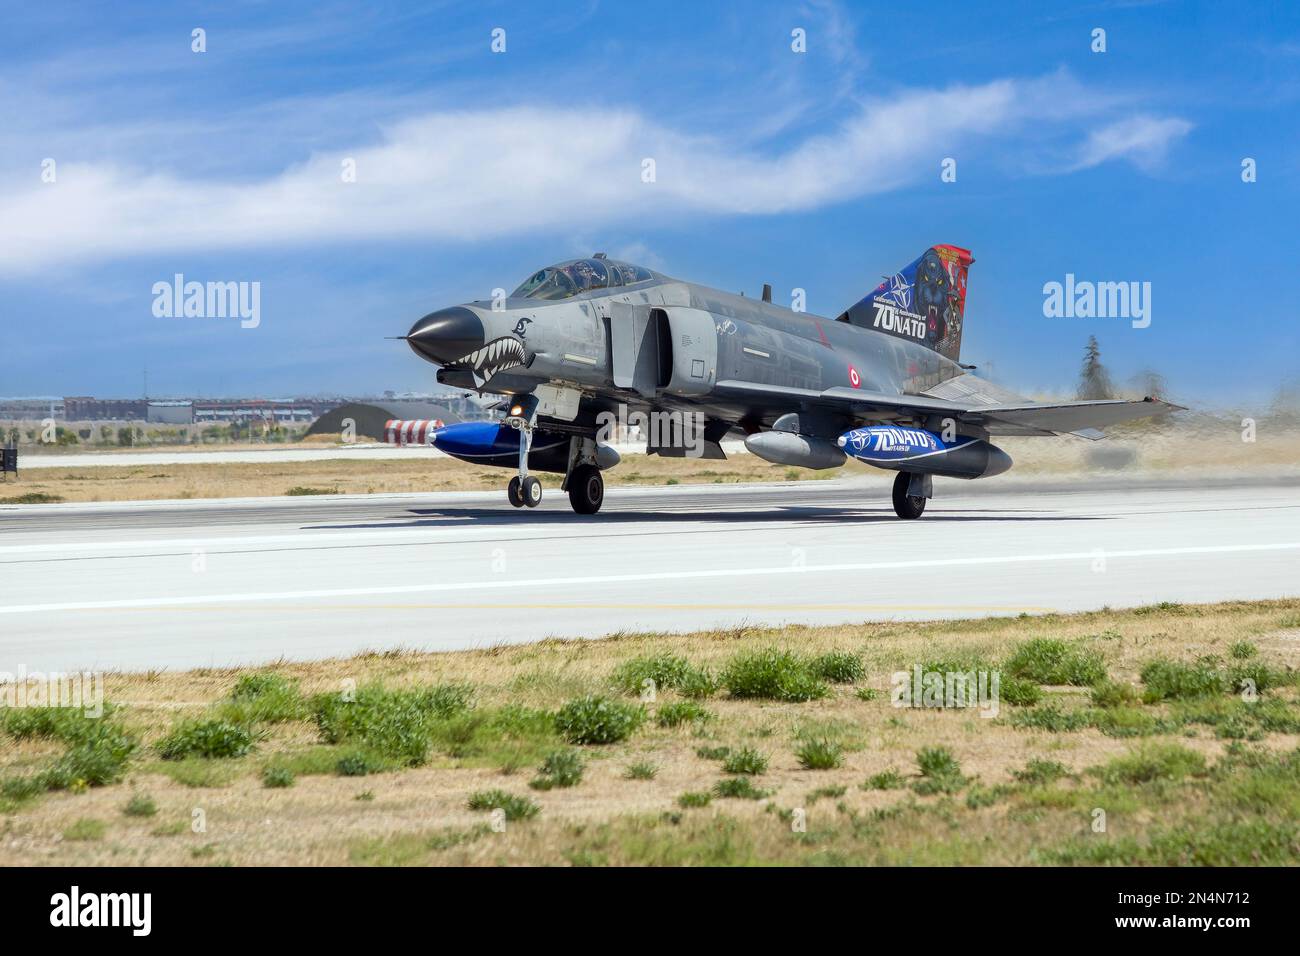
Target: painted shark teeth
496 356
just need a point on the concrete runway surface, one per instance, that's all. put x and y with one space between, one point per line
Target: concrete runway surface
209 583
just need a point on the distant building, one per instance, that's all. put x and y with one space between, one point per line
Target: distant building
30 409
83 408
171 412
256 409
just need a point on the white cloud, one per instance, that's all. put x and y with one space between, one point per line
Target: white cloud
473 175
1143 140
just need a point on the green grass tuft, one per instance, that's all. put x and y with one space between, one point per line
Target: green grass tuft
641 770
1109 693
838 667
820 754
659 673
713 753
140 805
1157 761
681 712
275 777
1047 660
398 724
1172 680
1039 772
515 807
68 724
264 698
563 768
738 787
940 772
359 763
206 738
1051 718
1019 692
598 720
746 760
772 674
889 779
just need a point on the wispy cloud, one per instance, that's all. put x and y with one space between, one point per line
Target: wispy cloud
1143 140
471 175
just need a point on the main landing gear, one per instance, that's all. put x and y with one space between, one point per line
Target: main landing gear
911 491
586 489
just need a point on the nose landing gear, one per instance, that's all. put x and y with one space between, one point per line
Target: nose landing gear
526 492
523 488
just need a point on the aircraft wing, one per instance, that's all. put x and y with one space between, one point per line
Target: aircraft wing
975 407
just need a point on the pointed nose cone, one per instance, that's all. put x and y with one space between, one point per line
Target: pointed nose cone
446 335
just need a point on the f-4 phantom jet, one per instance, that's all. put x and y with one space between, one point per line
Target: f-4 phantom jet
589 342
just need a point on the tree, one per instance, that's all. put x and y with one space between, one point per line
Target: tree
1094 380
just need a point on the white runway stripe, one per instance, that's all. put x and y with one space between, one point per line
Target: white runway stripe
497 584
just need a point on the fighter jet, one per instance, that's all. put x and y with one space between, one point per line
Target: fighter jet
590 342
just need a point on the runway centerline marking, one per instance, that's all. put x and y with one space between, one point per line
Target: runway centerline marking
505 584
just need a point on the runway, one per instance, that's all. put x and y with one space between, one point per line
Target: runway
147 585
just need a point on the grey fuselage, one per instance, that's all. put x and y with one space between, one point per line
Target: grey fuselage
665 344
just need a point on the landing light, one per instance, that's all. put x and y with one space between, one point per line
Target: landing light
516 411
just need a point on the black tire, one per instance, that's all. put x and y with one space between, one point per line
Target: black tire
532 490
514 494
906 506
586 489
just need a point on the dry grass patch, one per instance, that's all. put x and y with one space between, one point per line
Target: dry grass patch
1011 794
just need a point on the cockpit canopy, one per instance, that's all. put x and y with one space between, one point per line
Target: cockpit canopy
580 275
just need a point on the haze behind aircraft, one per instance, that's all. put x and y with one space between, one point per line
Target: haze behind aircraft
590 340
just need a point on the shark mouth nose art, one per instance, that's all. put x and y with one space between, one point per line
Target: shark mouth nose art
496 356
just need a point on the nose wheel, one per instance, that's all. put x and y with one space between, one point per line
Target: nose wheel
524 492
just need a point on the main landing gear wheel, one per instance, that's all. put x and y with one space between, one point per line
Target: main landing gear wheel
514 493
905 505
532 489
586 489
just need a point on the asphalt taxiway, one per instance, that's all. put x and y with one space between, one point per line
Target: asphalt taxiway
145 585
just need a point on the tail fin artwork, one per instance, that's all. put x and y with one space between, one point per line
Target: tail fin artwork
923 302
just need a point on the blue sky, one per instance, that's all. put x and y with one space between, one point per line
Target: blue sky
818 170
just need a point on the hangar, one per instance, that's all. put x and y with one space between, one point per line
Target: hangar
370 418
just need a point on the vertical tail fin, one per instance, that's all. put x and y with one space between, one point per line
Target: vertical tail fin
923 302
